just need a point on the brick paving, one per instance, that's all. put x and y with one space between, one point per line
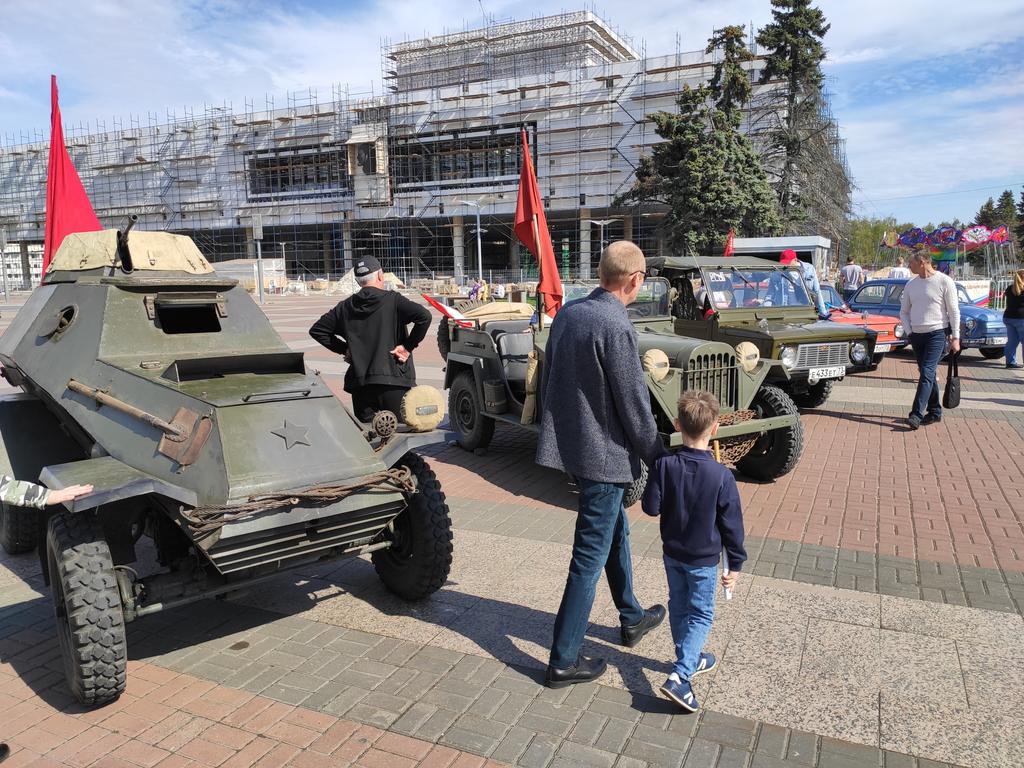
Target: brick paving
875 530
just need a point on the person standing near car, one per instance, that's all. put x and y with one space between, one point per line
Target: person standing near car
930 311
810 277
371 330
851 277
596 425
899 272
1013 316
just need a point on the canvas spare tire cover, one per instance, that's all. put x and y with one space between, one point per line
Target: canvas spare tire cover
655 362
423 408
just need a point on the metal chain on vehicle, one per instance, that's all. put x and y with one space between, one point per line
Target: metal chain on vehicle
735 448
205 520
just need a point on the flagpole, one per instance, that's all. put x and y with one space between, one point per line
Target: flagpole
540 296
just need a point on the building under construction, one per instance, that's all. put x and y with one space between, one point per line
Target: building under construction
424 177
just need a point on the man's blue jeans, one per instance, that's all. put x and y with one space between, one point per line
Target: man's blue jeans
602 542
928 349
1014 337
691 607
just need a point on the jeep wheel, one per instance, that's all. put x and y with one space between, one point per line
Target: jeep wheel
87 604
465 411
18 528
992 353
635 492
776 452
418 562
815 395
444 341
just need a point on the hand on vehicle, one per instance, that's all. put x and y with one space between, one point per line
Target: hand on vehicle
729 579
401 353
954 345
61 495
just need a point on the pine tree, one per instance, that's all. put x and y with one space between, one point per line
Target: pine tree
1020 221
1006 211
794 41
706 171
987 214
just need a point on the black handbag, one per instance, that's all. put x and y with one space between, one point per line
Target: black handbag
951 397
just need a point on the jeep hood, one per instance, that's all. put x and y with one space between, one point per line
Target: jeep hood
797 332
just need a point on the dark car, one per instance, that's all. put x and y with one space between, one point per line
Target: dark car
980 328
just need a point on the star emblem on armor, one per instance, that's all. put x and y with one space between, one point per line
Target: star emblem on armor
293 434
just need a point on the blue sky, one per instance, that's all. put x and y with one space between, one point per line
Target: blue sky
929 93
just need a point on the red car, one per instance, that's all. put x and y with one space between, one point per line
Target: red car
890 330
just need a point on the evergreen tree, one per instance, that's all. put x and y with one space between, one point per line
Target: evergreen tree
1006 211
1020 221
706 171
986 214
795 52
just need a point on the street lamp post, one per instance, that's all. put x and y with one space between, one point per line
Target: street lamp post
602 223
479 242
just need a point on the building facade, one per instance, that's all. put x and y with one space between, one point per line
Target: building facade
404 175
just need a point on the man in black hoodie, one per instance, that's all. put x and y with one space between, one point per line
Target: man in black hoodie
371 330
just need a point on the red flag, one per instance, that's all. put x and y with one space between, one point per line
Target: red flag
730 245
67 206
531 227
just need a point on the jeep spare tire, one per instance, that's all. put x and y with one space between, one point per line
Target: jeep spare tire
776 452
18 527
636 489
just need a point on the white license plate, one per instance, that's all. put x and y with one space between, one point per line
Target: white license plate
996 340
834 372
883 347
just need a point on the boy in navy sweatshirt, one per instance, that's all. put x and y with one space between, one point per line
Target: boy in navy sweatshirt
700 513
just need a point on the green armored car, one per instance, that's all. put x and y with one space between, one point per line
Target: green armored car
744 298
164 386
494 368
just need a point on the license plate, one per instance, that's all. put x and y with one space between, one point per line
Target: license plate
996 340
834 372
883 347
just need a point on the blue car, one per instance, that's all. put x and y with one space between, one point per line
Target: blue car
980 328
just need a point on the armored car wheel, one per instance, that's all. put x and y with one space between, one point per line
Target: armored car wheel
816 394
465 411
87 604
992 353
776 452
18 529
635 492
418 562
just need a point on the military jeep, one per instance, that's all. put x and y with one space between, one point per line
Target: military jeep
736 299
491 377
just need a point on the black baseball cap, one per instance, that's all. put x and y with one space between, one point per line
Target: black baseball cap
366 265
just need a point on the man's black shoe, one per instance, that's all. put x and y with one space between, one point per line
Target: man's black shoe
1015 365
653 616
931 418
913 422
586 669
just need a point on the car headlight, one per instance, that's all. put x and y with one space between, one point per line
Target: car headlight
858 352
789 357
898 331
970 323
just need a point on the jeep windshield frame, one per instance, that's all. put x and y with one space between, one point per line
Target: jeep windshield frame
743 288
652 300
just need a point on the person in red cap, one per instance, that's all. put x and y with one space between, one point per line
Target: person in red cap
810 277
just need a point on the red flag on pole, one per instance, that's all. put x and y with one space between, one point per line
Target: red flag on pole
531 227
67 206
730 245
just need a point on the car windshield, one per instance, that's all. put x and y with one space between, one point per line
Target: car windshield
961 294
652 301
832 298
735 288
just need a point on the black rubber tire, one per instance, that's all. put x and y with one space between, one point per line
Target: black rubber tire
419 563
87 605
992 353
635 492
444 341
18 527
815 396
777 452
465 413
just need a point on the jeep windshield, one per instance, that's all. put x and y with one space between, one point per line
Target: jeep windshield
736 288
652 301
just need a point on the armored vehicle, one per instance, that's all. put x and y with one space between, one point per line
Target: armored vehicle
164 386
494 368
743 298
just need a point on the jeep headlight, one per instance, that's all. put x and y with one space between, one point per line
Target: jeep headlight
858 352
789 357
898 331
970 324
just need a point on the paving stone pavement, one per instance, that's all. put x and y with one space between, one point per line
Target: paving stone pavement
878 623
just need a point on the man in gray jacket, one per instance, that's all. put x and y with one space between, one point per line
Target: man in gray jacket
596 425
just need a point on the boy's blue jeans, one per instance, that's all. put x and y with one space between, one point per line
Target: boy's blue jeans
691 607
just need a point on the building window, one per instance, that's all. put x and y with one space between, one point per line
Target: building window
303 173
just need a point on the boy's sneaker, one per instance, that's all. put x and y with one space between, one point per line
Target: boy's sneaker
706 663
680 692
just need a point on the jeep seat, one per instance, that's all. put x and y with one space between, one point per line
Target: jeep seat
514 350
498 327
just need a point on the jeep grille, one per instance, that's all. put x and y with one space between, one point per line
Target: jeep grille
717 374
822 355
